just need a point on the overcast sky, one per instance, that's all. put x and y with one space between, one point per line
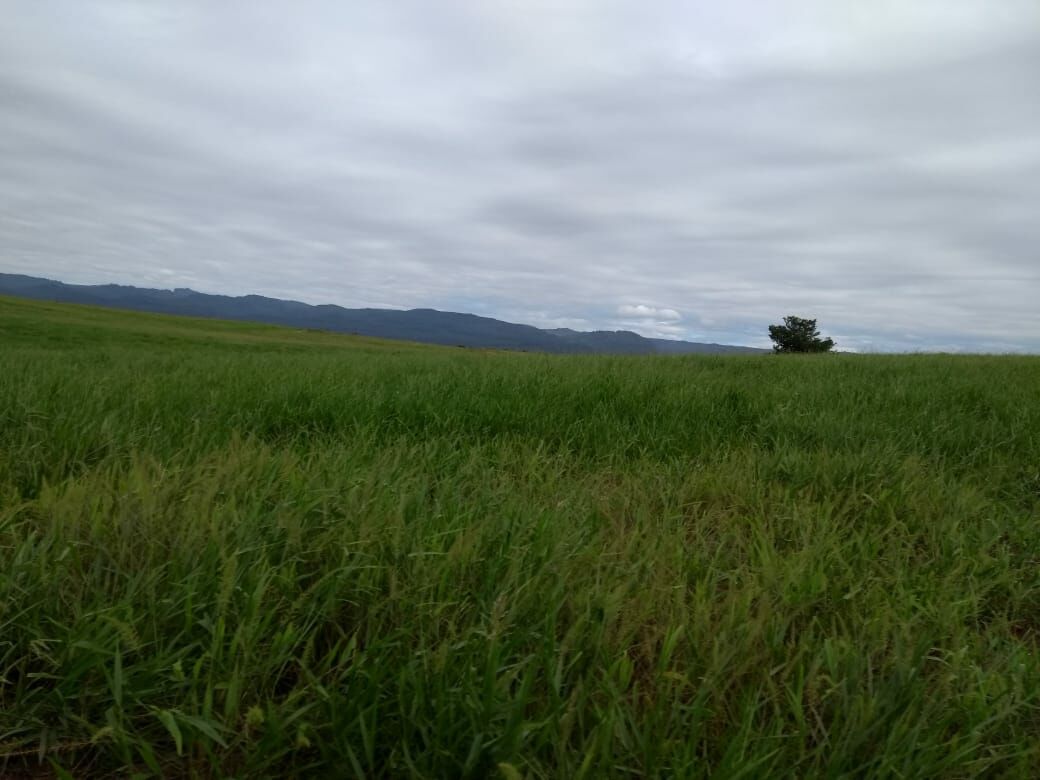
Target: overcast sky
690 169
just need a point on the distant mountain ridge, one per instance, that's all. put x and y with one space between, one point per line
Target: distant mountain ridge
423 325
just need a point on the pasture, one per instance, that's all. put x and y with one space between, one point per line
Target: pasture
239 550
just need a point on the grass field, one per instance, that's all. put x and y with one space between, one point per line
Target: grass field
237 550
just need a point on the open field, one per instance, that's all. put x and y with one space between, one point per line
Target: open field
229 549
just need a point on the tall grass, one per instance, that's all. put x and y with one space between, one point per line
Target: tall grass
235 550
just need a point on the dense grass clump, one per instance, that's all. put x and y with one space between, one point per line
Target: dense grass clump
237 550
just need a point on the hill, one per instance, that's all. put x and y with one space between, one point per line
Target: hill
422 325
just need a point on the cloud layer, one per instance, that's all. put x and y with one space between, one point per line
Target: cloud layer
690 170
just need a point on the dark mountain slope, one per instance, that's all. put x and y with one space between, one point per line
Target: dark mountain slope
423 325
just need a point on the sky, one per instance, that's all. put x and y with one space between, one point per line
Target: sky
692 169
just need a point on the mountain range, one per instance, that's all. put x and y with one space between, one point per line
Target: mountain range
423 325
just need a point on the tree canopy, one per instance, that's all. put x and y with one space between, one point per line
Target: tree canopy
798 335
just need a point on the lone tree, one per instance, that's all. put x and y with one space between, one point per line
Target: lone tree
798 335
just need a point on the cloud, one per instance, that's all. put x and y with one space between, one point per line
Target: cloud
601 162
640 311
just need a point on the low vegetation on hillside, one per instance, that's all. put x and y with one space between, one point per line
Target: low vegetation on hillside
239 550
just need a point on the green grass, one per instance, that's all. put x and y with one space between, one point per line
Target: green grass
237 550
